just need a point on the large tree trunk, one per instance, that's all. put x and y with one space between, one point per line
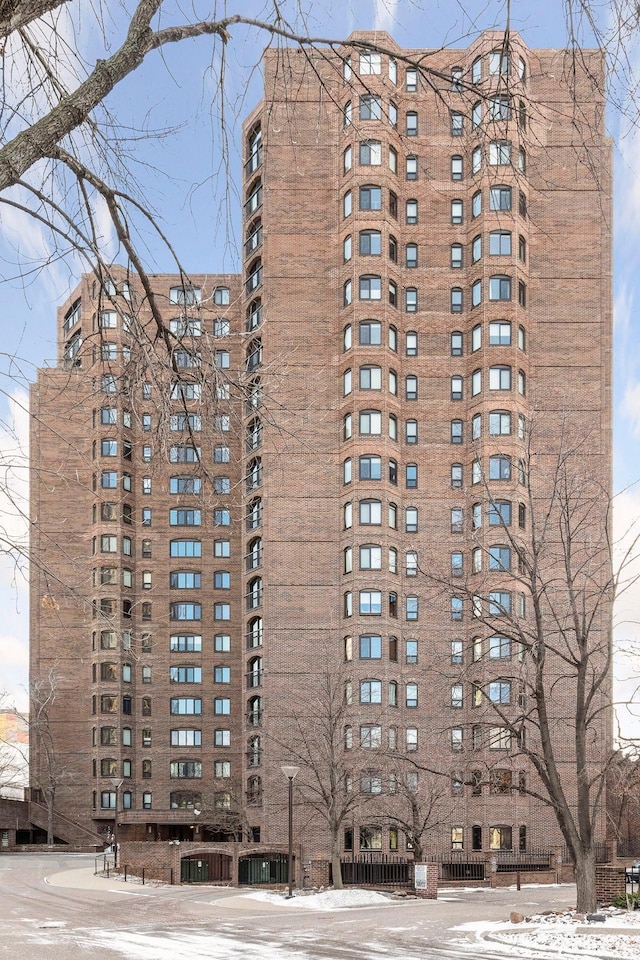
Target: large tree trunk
336 866
585 867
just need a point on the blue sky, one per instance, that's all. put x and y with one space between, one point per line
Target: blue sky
179 90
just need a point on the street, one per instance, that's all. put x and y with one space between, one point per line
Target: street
53 907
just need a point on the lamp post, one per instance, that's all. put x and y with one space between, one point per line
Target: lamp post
115 826
290 773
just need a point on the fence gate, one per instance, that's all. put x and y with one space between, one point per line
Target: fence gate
266 868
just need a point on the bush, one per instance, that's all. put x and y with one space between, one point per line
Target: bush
629 901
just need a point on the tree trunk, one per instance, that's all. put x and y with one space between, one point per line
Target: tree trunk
336 866
50 821
585 867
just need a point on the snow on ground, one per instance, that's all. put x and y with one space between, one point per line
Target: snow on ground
326 900
565 934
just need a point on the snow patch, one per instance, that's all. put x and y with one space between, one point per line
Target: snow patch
328 900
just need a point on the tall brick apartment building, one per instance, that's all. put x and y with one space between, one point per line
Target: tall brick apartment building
299 535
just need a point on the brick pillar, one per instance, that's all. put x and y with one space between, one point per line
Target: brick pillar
426 880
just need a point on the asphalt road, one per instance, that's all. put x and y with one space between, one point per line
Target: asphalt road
53 908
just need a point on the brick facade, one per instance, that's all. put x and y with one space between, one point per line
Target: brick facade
404 287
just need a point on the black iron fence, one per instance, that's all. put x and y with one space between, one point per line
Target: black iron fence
603 851
377 870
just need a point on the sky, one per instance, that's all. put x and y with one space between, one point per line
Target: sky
169 113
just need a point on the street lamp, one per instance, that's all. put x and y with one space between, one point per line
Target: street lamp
290 773
115 826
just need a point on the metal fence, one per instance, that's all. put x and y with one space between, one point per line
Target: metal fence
603 852
377 870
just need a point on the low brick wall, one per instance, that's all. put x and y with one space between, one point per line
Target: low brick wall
160 859
526 876
610 883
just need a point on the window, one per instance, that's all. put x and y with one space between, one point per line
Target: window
456 475
500 378
411 519
522 339
184 518
456 519
500 198
411 299
476 204
185 674
499 423
222 611
499 468
370 422
221 517
412 124
411 431
500 513
522 249
457 123
499 288
185 611
411 255
456 431
370 108
522 204
370 647
411 79
499 558
522 293
347 204
370 512
370 198
370 156
185 642
411 608
456 300
498 63
456 608
185 580
476 160
456 168
370 378
500 333
370 691
184 454
222 580
370 602
411 695
393 160
412 211
499 603
186 705
347 293
456 255
456 696
499 738
370 243
370 288
456 212
499 648
411 168
347 159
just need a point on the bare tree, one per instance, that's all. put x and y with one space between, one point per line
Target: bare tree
321 740
421 802
14 754
540 594
50 771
